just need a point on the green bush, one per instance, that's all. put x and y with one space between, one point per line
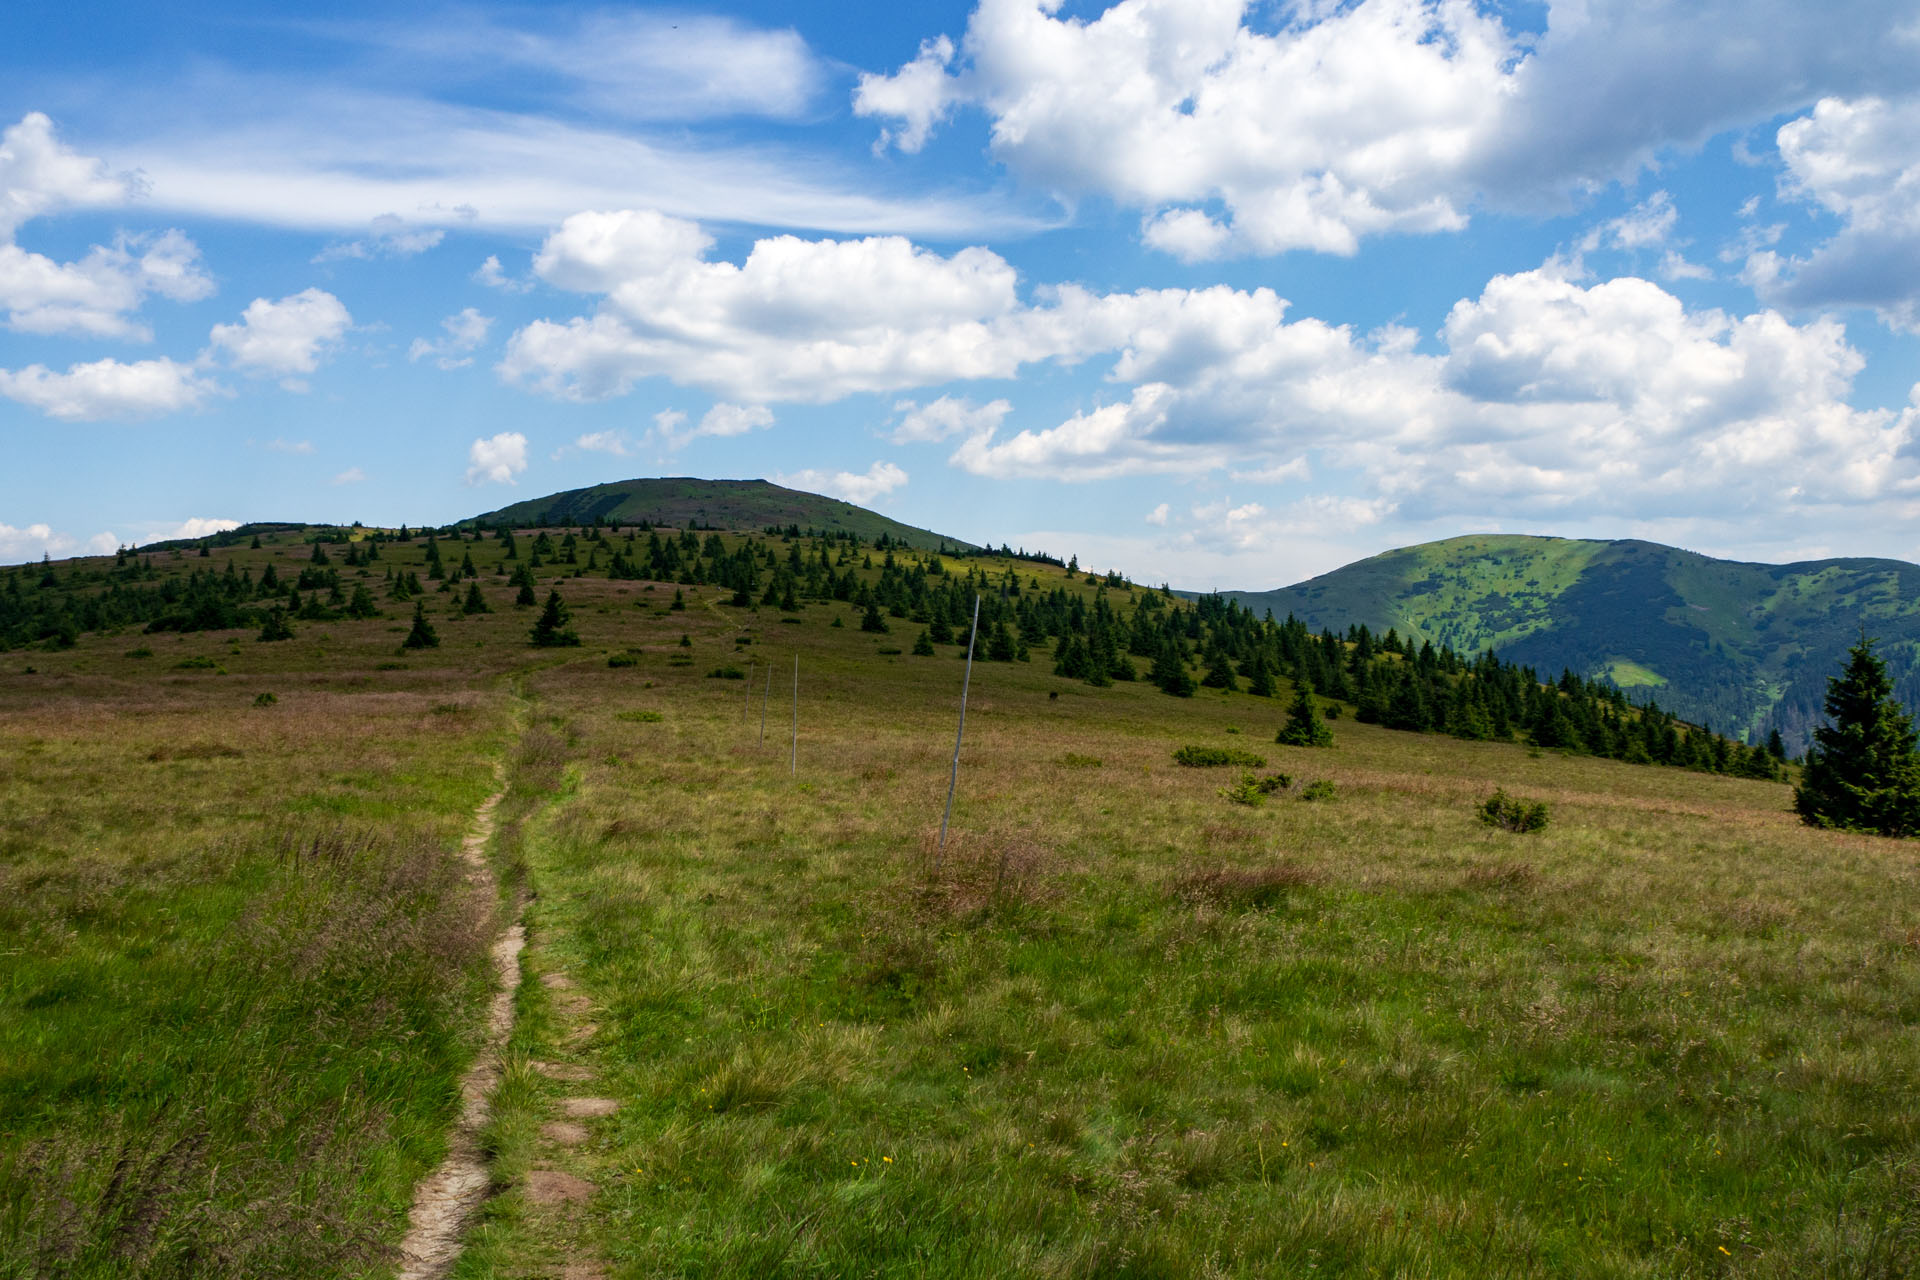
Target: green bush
1215 757
1510 813
1321 790
726 673
628 658
1253 790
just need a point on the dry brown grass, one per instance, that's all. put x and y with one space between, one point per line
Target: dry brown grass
1260 886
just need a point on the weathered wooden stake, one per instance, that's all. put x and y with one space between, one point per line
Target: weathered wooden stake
954 777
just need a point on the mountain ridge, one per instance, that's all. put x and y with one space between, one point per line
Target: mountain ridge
1742 644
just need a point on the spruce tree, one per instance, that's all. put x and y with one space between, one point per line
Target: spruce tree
475 602
423 636
1862 772
923 646
1304 727
550 630
1170 672
276 626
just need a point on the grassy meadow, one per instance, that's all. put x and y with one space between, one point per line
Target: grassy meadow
1123 1025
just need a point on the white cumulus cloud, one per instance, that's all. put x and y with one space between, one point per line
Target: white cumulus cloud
1314 125
917 95
497 459
460 335
104 389
491 274
1858 159
811 320
39 174
35 540
198 527
283 338
859 487
945 418
97 294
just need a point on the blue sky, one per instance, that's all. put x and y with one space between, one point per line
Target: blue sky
1215 292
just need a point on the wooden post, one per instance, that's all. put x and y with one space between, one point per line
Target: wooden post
764 699
953 778
793 761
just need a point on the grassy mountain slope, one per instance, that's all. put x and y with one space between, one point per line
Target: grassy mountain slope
724 504
1745 646
1133 1020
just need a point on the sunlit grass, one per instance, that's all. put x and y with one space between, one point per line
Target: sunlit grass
1119 1025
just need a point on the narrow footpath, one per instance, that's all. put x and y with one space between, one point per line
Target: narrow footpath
447 1197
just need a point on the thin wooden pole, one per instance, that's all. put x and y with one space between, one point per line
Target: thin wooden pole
953 778
793 762
764 699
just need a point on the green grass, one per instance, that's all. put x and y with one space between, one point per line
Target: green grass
1120 1025
1125 1027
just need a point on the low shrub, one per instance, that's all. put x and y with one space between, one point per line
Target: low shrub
1252 789
726 673
627 658
200 662
1321 789
1215 757
1510 813
265 700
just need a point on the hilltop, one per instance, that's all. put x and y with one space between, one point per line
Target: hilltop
719 504
1744 646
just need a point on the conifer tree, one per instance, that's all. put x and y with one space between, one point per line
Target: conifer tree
550 630
422 636
475 602
1170 672
1304 727
923 645
1862 772
276 626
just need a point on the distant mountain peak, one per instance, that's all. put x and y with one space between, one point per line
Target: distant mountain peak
1743 646
722 504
